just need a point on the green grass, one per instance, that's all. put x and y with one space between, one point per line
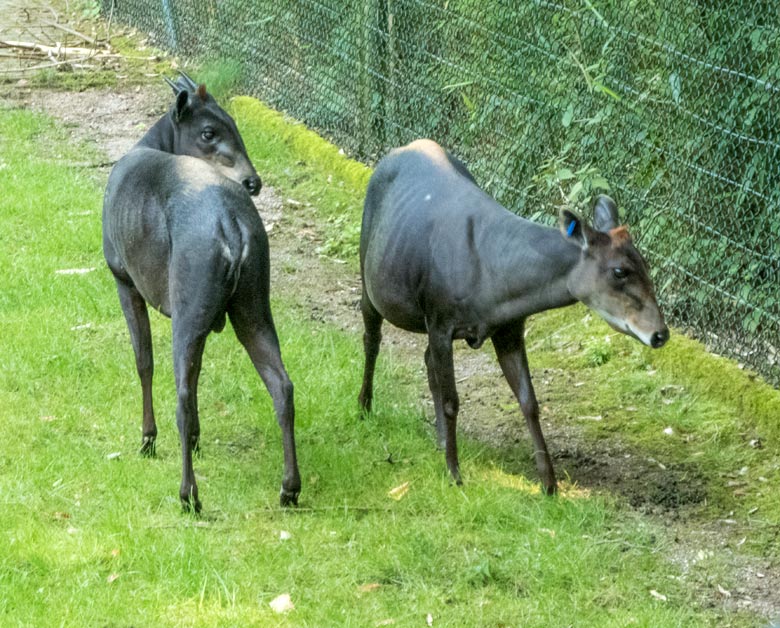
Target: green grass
94 539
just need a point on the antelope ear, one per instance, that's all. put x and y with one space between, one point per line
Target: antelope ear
605 214
573 228
182 109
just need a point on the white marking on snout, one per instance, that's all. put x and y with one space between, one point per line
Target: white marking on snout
198 174
234 174
428 197
624 326
238 170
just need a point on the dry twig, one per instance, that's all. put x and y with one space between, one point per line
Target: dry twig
70 31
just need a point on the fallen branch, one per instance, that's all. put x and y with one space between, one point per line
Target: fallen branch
70 31
49 51
43 66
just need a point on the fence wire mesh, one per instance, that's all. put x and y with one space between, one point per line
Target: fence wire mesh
671 105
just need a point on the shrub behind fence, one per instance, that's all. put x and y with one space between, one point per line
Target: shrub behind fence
672 105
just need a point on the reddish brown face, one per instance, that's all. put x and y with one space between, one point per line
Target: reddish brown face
612 277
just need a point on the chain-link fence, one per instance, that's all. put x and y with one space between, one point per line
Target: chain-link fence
673 104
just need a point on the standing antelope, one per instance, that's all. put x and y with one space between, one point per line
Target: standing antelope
441 257
181 234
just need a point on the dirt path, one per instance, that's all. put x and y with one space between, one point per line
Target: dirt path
38 35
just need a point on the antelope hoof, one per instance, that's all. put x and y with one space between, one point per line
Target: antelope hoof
288 498
364 409
148 447
191 505
551 489
189 498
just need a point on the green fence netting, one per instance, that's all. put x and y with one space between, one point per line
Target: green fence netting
672 104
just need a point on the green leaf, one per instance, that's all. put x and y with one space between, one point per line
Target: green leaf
470 106
599 87
568 115
676 84
758 42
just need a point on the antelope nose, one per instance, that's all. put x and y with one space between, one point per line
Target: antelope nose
659 338
253 185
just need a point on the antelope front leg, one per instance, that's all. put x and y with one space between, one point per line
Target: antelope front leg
510 350
441 429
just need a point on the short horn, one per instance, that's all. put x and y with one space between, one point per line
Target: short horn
191 84
176 88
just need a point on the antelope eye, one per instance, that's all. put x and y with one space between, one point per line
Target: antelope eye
619 273
207 134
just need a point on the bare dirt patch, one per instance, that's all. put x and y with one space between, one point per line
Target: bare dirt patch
112 119
42 35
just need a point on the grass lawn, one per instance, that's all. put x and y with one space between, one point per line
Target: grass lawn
92 534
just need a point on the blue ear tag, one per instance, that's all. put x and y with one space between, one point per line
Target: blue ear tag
571 228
